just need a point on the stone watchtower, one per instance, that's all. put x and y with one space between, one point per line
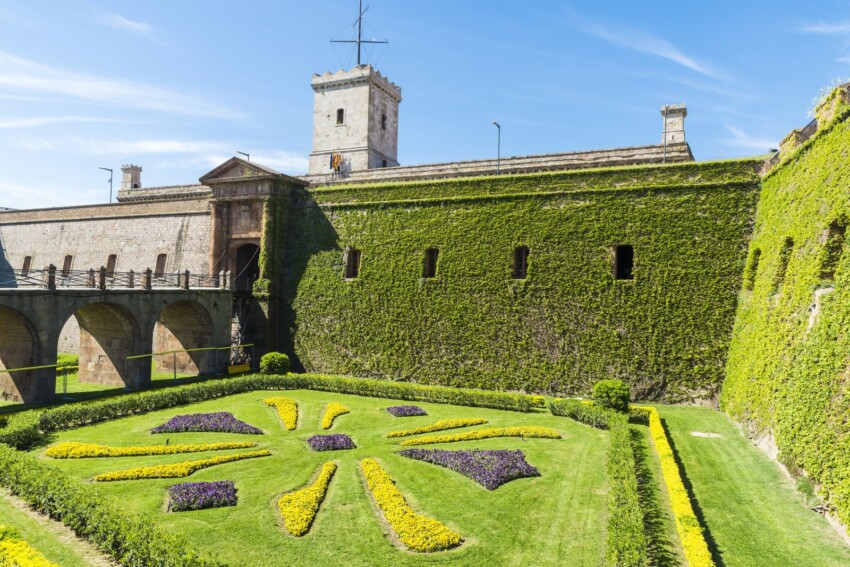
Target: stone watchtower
674 123
355 116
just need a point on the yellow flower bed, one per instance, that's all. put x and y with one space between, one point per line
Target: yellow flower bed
287 409
77 450
15 552
490 432
333 411
176 470
299 508
690 531
439 426
417 532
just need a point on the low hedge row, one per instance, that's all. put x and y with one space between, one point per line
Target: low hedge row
132 539
25 429
626 538
581 411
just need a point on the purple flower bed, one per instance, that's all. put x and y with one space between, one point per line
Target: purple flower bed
489 468
200 495
221 422
335 442
406 411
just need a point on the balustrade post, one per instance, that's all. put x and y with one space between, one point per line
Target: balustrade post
186 279
222 280
101 278
228 280
50 277
146 279
131 279
91 280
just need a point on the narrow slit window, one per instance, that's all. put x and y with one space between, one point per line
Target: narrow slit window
520 262
383 121
110 265
160 265
26 268
784 260
340 116
624 262
66 266
752 270
352 264
384 163
833 248
429 270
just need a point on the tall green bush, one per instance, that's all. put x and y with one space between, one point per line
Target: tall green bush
612 394
274 363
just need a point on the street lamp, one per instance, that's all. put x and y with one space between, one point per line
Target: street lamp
247 156
110 181
498 148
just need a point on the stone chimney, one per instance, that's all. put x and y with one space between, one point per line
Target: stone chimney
132 177
674 123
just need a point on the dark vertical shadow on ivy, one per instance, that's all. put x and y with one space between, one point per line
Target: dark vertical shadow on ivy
709 539
660 549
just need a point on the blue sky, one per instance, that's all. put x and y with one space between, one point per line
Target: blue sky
178 87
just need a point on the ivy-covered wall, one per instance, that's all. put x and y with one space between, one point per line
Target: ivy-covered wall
569 323
789 360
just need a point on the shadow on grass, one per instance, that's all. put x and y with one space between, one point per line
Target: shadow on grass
709 539
661 550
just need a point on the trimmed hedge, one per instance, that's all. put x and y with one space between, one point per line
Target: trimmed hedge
25 429
581 411
132 539
612 394
274 363
626 538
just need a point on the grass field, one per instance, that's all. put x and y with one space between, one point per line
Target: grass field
556 519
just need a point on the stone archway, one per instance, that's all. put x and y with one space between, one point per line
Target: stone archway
108 335
20 348
184 325
247 267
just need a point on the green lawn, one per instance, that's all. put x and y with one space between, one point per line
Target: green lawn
556 519
43 535
753 512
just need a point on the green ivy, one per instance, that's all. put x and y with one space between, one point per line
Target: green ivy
786 374
564 327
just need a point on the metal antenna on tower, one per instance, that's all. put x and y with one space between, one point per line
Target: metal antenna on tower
359 41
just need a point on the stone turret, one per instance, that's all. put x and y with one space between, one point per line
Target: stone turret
355 121
132 178
674 123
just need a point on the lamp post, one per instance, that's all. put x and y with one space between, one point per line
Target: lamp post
498 148
247 156
110 181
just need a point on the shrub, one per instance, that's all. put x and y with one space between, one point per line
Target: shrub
612 394
588 414
626 539
70 362
274 363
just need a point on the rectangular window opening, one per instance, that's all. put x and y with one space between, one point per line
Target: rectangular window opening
110 265
26 268
752 270
520 271
159 271
66 266
429 270
784 260
340 116
833 248
624 262
383 121
352 263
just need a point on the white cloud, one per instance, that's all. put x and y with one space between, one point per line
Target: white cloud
827 28
741 139
22 75
34 144
647 43
120 23
46 120
23 196
132 147
287 162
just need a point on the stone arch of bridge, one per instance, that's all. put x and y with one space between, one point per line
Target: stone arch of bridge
109 333
20 347
185 325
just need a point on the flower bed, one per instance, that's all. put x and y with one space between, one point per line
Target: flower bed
441 425
490 432
298 509
200 495
406 411
77 450
333 411
216 422
417 532
489 468
287 409
333 442
15 552
176 470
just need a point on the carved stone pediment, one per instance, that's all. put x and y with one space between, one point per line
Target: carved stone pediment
238 179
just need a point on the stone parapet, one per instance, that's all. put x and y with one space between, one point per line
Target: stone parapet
636 155
170 192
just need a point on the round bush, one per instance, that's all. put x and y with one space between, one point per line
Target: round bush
274 363
612 394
